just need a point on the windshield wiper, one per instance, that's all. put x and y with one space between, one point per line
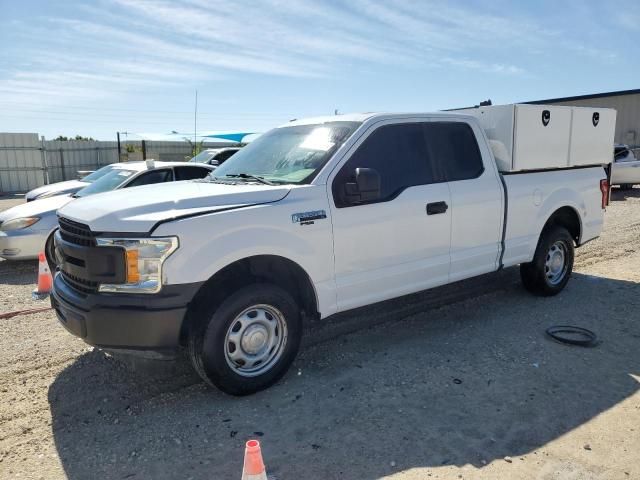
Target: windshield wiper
251 177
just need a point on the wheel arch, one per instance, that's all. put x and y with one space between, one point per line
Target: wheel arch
275 269
567 217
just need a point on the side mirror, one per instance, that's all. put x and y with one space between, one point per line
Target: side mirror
366 187
214 163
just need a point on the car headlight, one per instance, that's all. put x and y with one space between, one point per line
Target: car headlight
144 258
18 223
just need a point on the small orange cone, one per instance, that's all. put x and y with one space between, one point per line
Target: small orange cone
253 465
44 278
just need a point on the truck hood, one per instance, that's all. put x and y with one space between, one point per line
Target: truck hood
137 210
37 208
70 186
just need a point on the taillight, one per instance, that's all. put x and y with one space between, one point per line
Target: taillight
604 189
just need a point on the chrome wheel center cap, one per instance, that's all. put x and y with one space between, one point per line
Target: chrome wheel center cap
557 262
254 339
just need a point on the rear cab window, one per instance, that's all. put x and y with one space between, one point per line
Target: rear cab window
454 146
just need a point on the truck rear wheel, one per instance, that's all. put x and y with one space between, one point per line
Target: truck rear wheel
552 263
249 341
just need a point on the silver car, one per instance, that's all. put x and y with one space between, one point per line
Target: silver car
625 170
66 188
25 230
215 156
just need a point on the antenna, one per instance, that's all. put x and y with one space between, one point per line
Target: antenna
195 125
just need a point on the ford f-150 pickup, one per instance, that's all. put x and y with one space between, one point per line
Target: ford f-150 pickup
324 215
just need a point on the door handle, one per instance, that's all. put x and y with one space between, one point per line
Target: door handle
436 208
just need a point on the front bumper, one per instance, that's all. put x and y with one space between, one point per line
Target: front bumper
124 321
22 244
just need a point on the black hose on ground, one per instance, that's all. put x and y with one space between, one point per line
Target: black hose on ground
571 335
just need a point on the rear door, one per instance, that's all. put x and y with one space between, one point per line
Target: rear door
476 197
400 243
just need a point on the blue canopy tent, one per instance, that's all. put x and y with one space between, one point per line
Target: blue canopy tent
225 136
230 136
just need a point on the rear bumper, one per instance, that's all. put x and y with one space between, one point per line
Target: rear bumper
123 321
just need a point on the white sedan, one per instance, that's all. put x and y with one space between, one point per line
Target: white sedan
625 170
25 230
66 188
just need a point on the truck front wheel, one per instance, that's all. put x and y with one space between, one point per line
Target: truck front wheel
552 263
249 341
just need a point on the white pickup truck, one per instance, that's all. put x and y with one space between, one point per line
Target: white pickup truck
317 217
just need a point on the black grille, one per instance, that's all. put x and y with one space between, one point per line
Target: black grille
77 233
79 284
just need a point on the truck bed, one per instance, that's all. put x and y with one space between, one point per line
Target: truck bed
533 196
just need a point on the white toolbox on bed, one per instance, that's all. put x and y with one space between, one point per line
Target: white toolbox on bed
534 137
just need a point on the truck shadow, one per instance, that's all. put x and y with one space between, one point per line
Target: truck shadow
431 384
619 195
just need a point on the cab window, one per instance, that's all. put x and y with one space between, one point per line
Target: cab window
453 145
151 177
398 153
190 173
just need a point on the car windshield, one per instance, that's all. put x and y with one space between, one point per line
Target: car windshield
92 177
292 154
204 156
109 181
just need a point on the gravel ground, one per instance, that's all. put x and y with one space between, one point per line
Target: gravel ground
459 382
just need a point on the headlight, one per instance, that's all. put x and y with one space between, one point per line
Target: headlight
18 223
144 258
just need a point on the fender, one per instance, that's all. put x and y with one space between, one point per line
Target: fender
563 197
260 230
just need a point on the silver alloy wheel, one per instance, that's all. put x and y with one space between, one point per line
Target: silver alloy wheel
555 266
255 340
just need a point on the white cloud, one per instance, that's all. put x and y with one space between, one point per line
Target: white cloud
117 47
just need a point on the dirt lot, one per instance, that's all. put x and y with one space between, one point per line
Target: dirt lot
459 382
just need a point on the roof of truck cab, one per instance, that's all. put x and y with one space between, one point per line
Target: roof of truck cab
361 117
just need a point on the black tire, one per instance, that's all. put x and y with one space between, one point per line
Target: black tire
49 253
536 274
208 344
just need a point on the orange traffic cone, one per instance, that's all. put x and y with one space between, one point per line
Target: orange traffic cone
44 278
253 465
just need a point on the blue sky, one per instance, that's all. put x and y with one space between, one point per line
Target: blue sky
93 68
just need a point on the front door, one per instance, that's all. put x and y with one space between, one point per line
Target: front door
399 243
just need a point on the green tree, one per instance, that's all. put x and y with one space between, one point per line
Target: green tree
62 138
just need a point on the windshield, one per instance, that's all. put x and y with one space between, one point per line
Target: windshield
204 156
288 154
92 177
109 181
